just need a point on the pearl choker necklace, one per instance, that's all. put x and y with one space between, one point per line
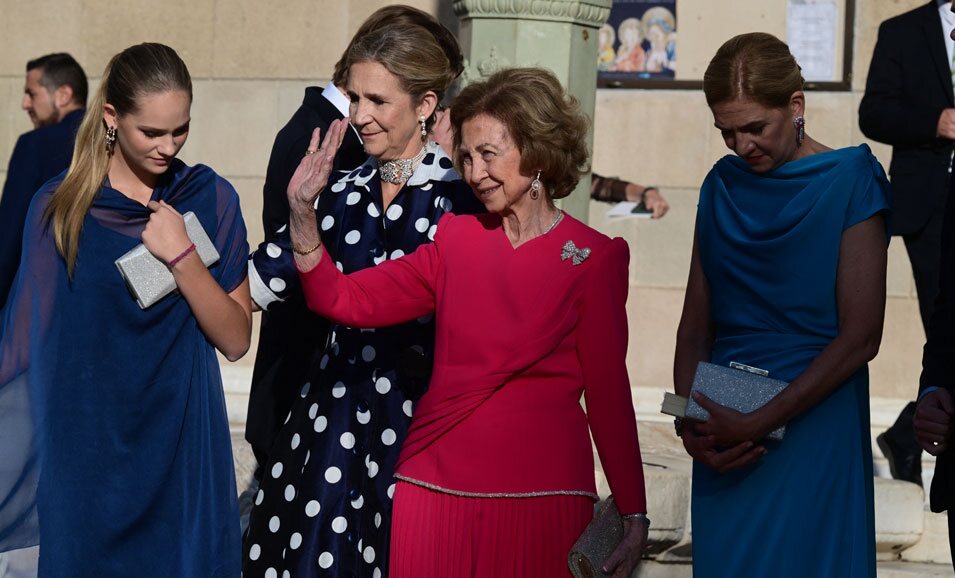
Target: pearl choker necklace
398 171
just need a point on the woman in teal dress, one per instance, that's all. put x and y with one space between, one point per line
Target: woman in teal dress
788 275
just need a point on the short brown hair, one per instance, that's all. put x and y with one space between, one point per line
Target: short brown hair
544 122
400 14
757 66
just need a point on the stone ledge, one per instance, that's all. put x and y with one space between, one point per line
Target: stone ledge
933 547
912 570
651 569
903 527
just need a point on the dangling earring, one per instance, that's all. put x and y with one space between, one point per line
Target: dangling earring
110 138
536 187
800 123
424 127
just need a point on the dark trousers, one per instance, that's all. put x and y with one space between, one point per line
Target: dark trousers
924 248
925 252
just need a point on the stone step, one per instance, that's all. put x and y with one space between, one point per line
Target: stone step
910 540
933 546
894 569
900 569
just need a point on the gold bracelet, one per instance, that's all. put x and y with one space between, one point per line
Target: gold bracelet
303 253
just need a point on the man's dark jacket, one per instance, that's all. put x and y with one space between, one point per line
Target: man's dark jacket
38 156
908 87
291 337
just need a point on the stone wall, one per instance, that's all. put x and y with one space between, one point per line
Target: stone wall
252 59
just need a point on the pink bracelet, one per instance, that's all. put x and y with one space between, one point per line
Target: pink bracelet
183 255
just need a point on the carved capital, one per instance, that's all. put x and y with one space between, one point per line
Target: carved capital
590 13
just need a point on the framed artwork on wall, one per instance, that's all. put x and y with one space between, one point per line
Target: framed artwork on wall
667 44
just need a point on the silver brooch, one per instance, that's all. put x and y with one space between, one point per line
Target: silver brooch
571 250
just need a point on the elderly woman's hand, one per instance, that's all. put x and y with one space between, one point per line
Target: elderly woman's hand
312 173
623 560
703 448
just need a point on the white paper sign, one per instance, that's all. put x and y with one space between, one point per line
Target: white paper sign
811 35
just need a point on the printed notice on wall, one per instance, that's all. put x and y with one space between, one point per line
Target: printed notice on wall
811 29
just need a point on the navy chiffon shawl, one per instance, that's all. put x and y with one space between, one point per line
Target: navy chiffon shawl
115 452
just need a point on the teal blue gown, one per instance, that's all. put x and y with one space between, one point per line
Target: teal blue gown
769 245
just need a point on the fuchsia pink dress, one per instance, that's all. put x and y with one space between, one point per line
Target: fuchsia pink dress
496 475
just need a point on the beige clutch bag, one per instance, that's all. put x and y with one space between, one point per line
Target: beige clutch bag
594 546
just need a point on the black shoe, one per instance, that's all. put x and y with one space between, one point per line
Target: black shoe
901 449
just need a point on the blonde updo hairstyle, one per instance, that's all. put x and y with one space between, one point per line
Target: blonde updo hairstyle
545 123
755 66
419 51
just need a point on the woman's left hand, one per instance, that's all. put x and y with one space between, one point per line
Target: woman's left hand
165 234
623 560
727 426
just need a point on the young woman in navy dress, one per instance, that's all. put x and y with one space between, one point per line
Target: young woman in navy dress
324 505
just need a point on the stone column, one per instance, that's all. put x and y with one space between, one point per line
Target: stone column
557 34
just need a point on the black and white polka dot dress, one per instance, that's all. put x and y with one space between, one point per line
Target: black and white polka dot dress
324 504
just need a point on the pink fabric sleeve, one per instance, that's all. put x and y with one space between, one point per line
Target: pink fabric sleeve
391 293
602 350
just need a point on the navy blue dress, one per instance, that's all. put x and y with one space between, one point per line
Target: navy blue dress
324 504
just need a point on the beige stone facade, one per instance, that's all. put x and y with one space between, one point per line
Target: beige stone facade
252 59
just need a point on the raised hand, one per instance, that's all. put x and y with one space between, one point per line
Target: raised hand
311 176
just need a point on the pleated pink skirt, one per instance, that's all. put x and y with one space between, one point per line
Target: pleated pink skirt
440 535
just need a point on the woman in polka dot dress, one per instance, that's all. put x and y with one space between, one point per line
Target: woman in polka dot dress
324 505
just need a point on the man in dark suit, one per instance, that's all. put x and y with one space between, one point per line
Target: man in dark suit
936 403
55 98
291 335
908 104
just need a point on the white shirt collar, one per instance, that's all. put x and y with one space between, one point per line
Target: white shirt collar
340 102
335 96
948 23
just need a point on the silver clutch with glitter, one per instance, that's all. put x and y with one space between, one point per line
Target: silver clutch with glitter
738 387
599 539
148 279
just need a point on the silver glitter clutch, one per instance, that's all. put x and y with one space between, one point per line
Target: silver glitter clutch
599 539
148 279
738 387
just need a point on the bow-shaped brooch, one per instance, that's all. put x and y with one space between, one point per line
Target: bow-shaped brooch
571 250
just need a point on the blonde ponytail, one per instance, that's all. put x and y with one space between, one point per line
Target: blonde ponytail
73 198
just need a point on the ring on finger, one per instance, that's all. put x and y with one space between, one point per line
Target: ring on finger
310 152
